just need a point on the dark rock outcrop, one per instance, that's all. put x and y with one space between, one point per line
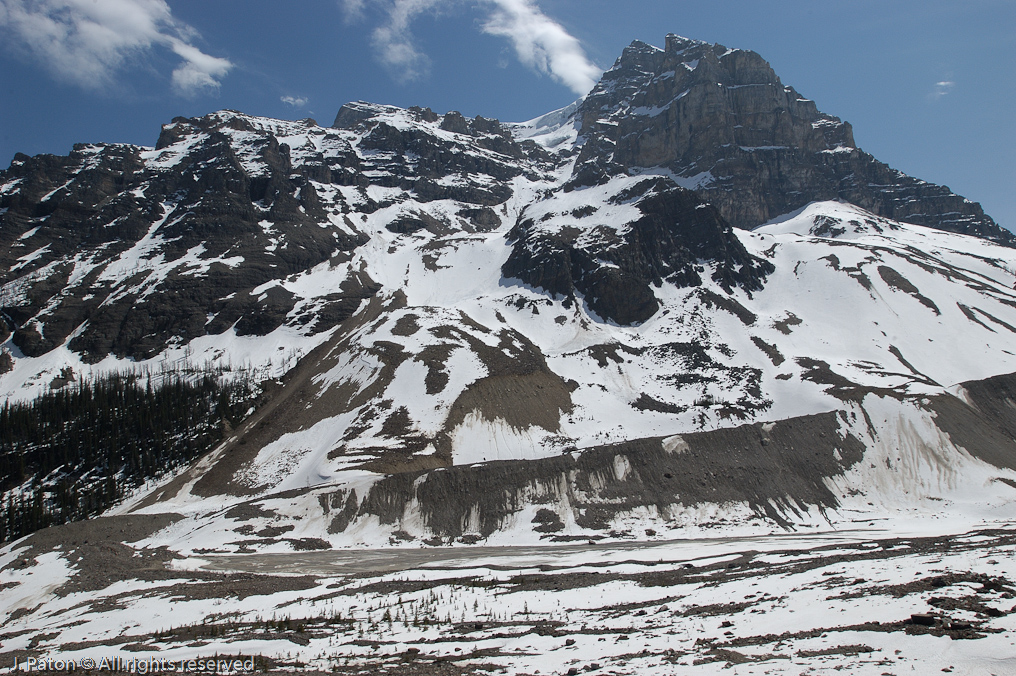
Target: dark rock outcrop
411 158
120 242
615 270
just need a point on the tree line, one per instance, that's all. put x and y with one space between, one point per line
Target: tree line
72 453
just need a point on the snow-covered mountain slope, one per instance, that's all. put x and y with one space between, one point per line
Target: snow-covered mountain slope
232 227
877 319
500 371
424 296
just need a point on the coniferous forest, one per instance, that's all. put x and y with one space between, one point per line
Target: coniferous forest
72 453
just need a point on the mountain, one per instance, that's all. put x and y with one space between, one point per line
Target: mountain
431 305
312 395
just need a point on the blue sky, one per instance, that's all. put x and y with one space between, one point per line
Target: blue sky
928 85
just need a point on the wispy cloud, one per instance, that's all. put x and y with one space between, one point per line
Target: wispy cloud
393 40
540 42
941 89
295 101
87 42
353 9
199 71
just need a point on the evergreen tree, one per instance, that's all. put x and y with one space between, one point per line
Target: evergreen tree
72 453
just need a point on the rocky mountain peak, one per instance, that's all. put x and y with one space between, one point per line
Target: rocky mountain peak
719 90
723 124
676 43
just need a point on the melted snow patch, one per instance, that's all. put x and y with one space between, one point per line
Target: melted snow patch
675 444
477 439
299 459
28 591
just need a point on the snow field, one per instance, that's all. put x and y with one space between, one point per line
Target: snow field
790 604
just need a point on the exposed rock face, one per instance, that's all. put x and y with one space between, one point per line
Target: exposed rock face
727 127
139 247
413 157
673 236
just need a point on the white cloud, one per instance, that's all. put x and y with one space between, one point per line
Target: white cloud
353 9
540 42
88 41
393 40
295 101
941 89
199 70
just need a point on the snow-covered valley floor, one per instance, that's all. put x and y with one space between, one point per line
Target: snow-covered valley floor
896 600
